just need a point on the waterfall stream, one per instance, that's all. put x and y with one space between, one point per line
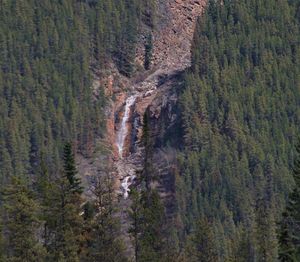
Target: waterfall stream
123 129
121 137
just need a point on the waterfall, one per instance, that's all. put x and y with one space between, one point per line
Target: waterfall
127 182
123 129
129 176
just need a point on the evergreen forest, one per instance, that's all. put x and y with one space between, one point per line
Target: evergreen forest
236 173
240 115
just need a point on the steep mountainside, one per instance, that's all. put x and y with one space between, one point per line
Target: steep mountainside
223 153
239 106
148 130
172 36
47 52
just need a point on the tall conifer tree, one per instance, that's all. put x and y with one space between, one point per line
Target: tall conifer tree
289 237
21 224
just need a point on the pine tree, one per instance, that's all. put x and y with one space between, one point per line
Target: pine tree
289 237
21 224
148 52
201 246
265 218
152 227
266 236
70 169
64 224
45 193
135 216
147 143
105 243
147 228
231 124
63 213
287 249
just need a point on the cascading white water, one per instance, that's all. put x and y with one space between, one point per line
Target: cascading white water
123 129
126 184
128 177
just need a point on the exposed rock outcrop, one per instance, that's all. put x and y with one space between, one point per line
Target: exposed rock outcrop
174 28
172 35
152 92
175 24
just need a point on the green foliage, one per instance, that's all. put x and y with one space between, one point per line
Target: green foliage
147 213
201 246
151 238
45 83
63 230
290 224
59 197
135 216
148 52
105 243
20 221
68 229
2 248
147 226
240 115
70 169
147 175
47 52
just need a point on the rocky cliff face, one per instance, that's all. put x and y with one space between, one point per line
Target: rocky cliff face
173 32
152 91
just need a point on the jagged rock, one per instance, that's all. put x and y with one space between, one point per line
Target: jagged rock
172 37
153 92
175 26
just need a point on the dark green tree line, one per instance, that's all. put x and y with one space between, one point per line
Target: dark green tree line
51 222
240 117
289 235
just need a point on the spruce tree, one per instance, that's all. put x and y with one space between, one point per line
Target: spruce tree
105 243
70 170
147 226
147 143
21 224
148 52
152 235
64 223
45 191
287 249
289 237
135 216
201 245
63 213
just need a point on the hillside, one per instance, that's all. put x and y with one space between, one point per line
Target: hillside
240 114
157 130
